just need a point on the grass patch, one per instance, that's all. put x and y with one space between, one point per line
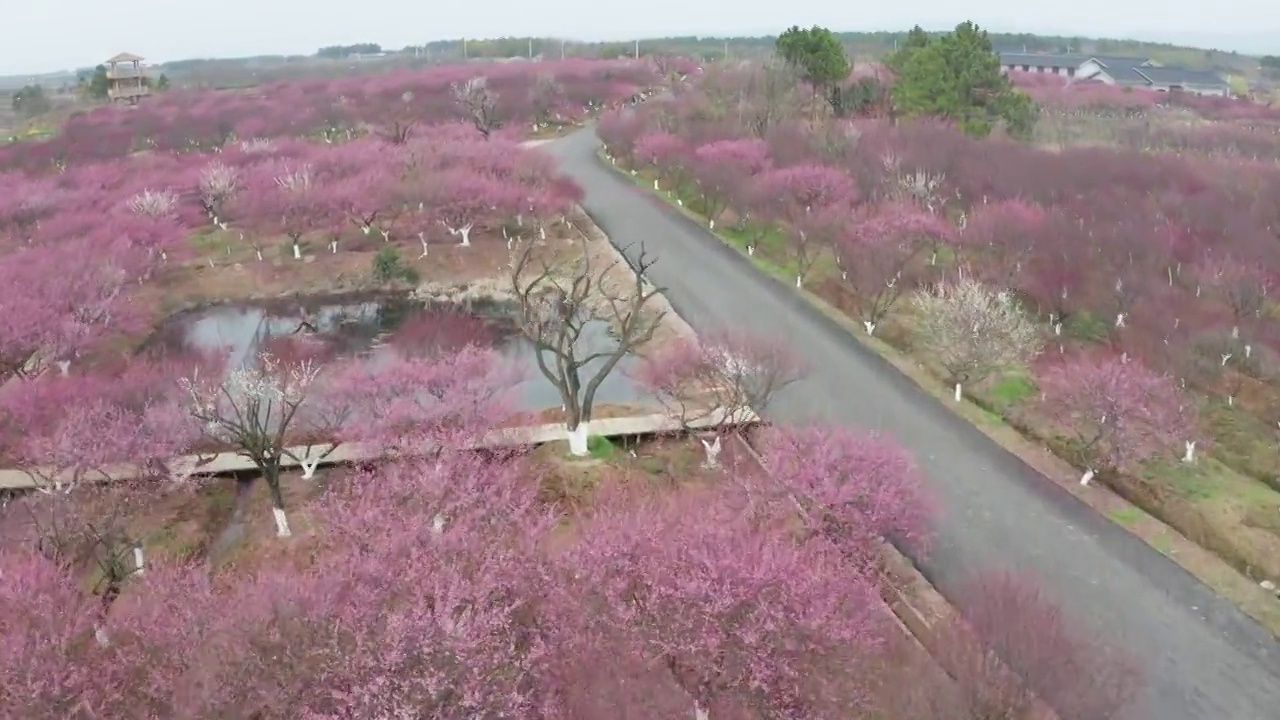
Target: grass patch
1126 515
1086 327
1242 442
1010 390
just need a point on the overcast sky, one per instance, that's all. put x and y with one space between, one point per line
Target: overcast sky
47 35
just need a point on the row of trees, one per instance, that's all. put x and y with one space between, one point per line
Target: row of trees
521 97
1169 269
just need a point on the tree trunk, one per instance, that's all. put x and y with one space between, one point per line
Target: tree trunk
578 434
272 476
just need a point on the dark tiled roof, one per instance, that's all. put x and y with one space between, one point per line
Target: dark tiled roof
1180 76
1041 60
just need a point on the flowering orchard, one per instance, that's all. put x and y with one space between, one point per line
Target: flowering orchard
443 586
101 226
519 97
1092 112
1123 296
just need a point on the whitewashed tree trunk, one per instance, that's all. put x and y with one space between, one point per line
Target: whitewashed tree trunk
1088 475
712 449
578 439
1189 452
751 250
282 522
333 247
870 327
959 392
711 224
655 184
799 281
309 467
422 238
297 251
463 232
437 524
100 635
64 367
139 562
700 713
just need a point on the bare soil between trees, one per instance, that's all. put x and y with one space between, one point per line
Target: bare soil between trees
1206 520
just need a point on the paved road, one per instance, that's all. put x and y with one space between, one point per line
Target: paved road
1206 660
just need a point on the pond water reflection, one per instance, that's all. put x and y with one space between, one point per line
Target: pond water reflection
382 327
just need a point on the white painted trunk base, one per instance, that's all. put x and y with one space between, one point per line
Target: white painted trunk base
297 252
870 327
1189 451
799 281
282 523
578 440
713 453
309 468
751 250
437 524
1088 475
700 713
959 392
139 562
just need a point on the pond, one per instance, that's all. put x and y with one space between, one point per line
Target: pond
377 327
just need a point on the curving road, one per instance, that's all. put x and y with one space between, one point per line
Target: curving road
1205 659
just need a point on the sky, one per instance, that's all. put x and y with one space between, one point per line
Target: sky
54 35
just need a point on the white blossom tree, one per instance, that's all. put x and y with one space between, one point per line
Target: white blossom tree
258 409
974 331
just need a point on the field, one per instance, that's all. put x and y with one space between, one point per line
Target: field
385 262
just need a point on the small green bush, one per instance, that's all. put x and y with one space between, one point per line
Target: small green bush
389 267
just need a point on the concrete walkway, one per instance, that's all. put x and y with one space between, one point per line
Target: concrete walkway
349 452
1205 659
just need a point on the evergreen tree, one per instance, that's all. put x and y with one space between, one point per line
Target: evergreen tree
957 77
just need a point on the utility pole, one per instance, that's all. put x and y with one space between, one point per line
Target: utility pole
530 48
637 50
726 50
561 49
464 48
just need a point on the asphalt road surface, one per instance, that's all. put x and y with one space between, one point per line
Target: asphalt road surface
1205 659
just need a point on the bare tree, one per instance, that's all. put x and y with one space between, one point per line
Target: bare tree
768 97
480 104
557 306
974 330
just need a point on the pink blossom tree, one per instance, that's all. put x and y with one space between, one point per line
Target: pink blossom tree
433 596
813 202
667 153
874 252
46 638
80 428
722 382
418 405
289 200
1119 414
851 489
66 298
724 170
1241 285
1011 651
999 239
742 615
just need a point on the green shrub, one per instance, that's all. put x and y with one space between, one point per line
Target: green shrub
389 267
